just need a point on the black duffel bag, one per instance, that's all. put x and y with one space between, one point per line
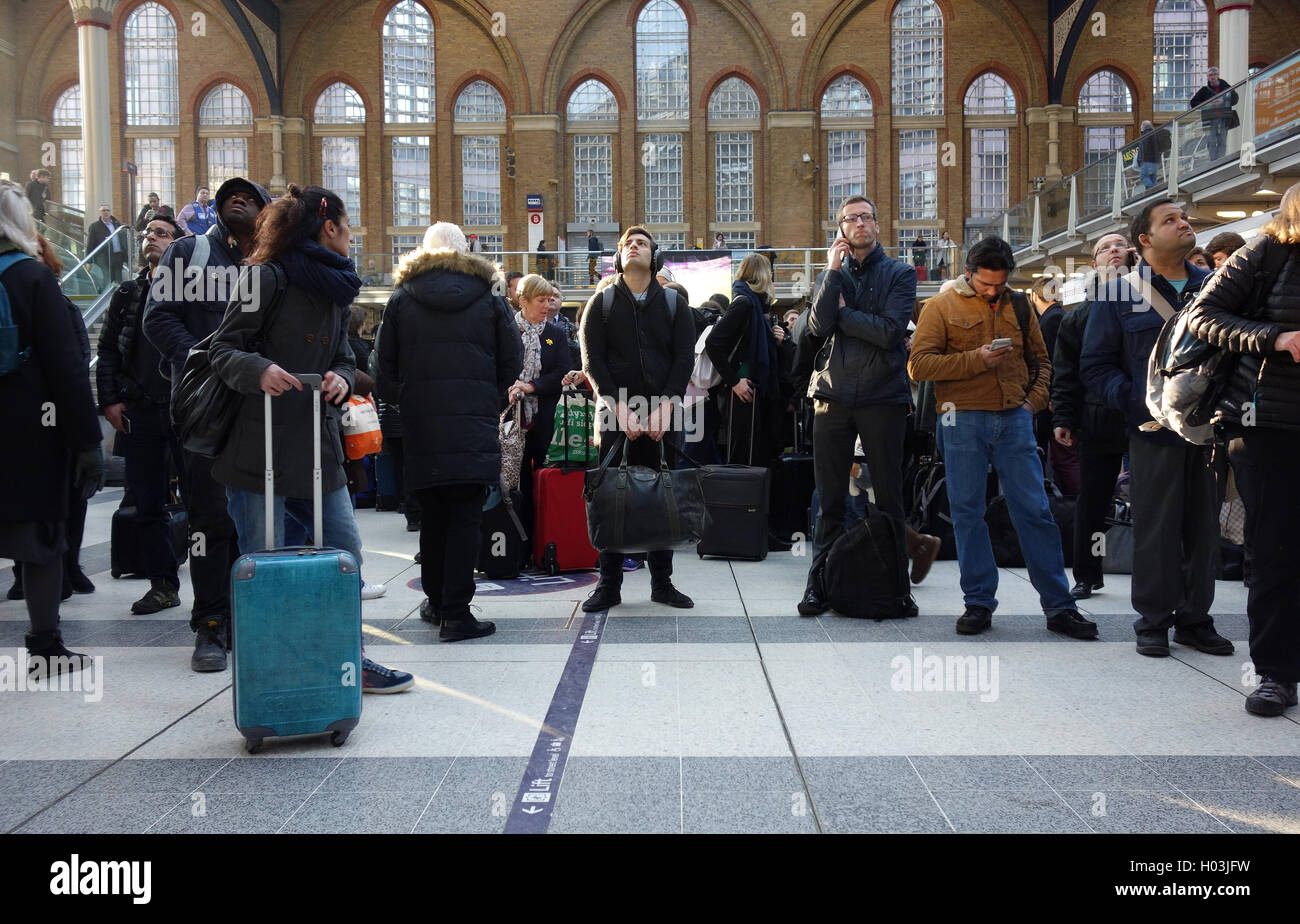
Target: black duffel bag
635 509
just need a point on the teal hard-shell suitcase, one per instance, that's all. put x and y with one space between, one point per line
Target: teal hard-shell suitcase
296 629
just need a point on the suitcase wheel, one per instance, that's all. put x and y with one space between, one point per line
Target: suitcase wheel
253 745
338 738
550 561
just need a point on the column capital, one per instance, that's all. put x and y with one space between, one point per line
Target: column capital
93 12
1223 6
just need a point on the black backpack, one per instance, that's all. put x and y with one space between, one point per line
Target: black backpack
864 575
926 493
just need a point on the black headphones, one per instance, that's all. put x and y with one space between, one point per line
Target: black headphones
656 258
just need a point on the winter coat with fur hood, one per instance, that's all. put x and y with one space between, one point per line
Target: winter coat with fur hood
448 350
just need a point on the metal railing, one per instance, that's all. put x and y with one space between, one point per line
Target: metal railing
1193 144
93 273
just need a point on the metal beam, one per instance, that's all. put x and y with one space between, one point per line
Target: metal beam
270 16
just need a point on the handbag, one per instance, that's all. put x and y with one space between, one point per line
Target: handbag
637 509
360 425
203 406
510 433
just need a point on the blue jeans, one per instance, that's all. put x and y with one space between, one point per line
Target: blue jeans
293 516
1149 174
1005 439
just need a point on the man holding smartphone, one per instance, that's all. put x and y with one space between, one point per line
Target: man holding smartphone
862 303
981 346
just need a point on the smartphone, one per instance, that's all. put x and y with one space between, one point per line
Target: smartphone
1001 343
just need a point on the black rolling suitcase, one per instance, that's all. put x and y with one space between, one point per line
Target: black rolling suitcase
501 537
793 482
736 497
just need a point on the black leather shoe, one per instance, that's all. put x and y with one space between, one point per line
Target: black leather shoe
1202 637
671 596
1153 644
1273 697
776 544
457 629
79 583
429 614
813 603
210 646
602 598
1084 589
1069 622
974 621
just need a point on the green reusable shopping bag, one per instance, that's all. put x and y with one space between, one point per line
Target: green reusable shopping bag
573 439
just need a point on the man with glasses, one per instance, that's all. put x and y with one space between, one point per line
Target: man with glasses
974 342
861 307
134 397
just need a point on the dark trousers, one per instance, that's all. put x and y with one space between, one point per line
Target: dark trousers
641 451
1272 498
449 544
410 503
883 428
1175 534
1097 473
212 533
76 531
147 448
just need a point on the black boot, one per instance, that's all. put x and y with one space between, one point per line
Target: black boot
211 642
75 578
606 594
16 591
463 625
48 657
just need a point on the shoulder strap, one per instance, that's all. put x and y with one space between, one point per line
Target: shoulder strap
606 302
1020 305
14 256
671 296
1142 285
202 251
6 261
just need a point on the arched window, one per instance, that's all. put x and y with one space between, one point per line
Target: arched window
408 64
151 71
593 154
917 43
845 97
733 99
224 115
990 109
480 161
339 118
989 94
480 102
71 166
662 62
1182 36
1105 91
592 101
149 49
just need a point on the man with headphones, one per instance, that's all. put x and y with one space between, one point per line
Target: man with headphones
638 349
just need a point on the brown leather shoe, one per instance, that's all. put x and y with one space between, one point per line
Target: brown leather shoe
923 550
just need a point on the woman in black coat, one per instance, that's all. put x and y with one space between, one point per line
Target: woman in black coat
546 359
1252 307
50 414
448 351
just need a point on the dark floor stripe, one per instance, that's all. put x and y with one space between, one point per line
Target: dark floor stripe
540 788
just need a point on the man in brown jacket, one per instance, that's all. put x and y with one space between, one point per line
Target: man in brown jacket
991 371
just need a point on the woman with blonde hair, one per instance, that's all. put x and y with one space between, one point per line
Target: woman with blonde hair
1251 307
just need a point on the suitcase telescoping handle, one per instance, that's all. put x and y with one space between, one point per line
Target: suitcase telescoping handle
314 382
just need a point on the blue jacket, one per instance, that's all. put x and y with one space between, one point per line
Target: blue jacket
865 361
1117 342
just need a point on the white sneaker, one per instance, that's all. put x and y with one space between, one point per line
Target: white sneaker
372 591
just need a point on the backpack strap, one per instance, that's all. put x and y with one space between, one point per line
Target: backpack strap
1020 305
1142 285
202 251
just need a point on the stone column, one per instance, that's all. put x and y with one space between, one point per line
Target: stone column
1234 38
94 18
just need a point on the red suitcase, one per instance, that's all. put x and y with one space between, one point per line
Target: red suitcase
560 540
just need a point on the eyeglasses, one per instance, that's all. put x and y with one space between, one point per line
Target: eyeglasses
859 218
154 232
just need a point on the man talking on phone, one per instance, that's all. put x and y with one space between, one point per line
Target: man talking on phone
982 348
861 306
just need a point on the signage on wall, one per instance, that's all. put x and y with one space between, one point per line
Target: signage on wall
534 202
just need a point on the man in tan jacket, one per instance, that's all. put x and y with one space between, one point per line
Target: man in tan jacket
991 371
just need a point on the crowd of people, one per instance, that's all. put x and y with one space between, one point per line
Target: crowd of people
1040 395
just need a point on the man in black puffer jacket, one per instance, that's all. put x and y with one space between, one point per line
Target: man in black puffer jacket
1252 307
448 350
1081 421
134 397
